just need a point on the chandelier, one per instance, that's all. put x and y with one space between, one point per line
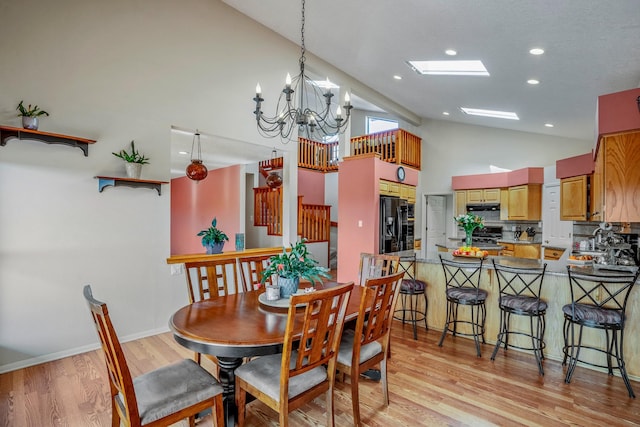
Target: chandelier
196 170
304 106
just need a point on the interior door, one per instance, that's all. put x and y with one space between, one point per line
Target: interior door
554 231
436 225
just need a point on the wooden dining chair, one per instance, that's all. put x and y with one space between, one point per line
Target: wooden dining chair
366 346
212 279
158 398
376 265
251 269
306 367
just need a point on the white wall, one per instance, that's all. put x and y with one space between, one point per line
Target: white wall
119 70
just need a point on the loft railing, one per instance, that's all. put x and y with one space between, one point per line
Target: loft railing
318 156
267 209
394 146
271 164
314 222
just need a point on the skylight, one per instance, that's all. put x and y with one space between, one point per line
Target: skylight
450 68
490 113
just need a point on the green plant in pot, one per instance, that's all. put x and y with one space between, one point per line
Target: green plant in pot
213 239
291 265
30 115
133 161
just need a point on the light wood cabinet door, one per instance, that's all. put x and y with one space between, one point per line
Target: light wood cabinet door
527 251
461 202
491 195
574 198
483 195
553 253
408 192
475 196
525 202
597 189
621 177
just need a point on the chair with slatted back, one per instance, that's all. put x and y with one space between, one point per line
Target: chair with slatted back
212 279
306 367
462 281
598 301
376 265
366 346
158 398
251 269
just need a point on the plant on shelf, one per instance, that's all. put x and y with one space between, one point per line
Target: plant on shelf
134 161
30 115
213 239
292 265
469 222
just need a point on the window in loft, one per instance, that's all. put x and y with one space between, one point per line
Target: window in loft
378 124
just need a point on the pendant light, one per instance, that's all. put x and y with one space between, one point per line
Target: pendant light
196 170
274 180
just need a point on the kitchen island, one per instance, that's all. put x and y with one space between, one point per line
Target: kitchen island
555 291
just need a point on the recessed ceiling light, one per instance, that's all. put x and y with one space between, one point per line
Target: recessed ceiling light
490 113
397 77
445 113
536 51
533 81
183 152
549 125
450 68
451 52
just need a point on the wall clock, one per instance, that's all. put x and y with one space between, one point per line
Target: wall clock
400 173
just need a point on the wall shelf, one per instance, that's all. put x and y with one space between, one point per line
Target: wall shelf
8 132
106 181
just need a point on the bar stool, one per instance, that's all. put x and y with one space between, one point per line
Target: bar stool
520 289
598 300
411 289
462 279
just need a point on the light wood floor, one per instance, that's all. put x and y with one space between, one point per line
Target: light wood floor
429 386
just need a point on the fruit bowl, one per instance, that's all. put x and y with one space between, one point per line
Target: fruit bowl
469 252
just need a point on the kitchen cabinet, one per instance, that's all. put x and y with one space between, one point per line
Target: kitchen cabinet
553 254
520 250
408 192
575 198
617 178
389 188
525 202
461 202
486 195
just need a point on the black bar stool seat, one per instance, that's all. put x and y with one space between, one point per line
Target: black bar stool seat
410 290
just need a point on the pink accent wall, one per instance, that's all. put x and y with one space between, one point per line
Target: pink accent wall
575 166
618 112
359 200
311 186
498 180
194 205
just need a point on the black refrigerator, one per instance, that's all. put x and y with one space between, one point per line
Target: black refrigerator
395 232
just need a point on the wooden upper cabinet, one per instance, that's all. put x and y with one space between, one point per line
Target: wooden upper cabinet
597 190
618 161
461 202
525 202
574 198
486 195
408 192
389 188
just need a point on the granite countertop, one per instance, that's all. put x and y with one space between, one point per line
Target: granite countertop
481 246
520 242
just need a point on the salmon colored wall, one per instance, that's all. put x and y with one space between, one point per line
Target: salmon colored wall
575 166
359 200
194 205
498 180
311 186
618 112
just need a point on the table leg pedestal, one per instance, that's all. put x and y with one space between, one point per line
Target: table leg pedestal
227 375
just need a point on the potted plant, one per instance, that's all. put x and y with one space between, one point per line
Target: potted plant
30 115
292 265
213 239
134 161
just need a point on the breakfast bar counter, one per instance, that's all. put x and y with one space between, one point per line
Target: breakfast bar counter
555 291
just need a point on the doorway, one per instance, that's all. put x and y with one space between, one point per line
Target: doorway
436 224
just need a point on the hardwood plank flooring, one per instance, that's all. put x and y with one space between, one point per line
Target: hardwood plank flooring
428 386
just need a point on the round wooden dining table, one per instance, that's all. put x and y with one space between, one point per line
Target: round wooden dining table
236 326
